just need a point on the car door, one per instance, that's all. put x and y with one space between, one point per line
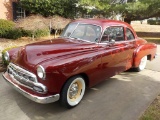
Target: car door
116 51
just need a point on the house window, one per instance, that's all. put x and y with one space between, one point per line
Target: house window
18 11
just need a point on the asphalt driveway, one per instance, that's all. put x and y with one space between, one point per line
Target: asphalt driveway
122 97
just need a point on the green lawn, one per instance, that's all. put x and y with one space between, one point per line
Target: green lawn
153 111
151 34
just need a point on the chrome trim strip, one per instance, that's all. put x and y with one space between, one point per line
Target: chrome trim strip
23 81
42 100
23 70
31 88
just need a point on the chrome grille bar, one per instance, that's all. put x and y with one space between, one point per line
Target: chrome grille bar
21 73
25 78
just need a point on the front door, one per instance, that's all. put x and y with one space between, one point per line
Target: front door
116 56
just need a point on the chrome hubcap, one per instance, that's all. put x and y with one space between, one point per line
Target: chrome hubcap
73 90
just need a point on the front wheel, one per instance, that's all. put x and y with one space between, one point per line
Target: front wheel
142 64
73 92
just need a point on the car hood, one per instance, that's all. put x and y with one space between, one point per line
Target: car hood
36 53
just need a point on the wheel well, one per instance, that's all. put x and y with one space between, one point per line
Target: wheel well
85 78
148 57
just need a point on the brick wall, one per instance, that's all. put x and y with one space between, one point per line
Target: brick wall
6 11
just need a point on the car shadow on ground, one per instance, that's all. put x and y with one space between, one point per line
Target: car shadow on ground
107 93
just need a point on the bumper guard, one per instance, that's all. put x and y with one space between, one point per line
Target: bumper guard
42 100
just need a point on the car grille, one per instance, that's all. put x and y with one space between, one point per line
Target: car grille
21 75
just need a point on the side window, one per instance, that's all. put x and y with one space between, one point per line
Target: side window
129 34
116 33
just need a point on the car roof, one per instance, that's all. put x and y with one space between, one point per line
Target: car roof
103 22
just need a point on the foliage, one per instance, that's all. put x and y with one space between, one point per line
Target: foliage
95 7
142 9
26 33
153 111
41 33
133 10
34 25
14 34
5 26
64 8
153 22
34 33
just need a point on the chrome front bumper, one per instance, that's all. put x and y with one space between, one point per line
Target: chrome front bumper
43 100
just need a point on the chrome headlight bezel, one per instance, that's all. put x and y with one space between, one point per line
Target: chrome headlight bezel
41 72
6 56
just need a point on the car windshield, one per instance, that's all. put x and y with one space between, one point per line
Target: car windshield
87 32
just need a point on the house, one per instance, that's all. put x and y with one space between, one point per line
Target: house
10 10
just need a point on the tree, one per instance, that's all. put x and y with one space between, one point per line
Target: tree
130 10
98 6
65 8
139 10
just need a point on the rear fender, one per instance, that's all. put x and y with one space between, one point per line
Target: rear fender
148 49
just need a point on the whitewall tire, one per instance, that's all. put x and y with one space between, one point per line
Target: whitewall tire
73 92
142 64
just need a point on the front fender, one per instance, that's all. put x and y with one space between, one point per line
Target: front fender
59 70
148 49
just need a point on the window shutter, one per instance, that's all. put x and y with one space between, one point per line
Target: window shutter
14 6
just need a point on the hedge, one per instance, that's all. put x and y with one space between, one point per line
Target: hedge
153 22
41 33
14 34
5 27
8 30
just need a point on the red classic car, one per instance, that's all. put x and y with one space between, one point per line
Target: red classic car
87 52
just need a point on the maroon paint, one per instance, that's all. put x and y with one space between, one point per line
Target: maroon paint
63 58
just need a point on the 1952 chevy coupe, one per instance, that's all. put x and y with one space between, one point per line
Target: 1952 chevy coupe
87 52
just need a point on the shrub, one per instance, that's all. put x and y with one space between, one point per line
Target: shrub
5 26
153 22
36 33
41 33
26 33
14 34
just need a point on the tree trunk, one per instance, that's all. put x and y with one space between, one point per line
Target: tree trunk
127 20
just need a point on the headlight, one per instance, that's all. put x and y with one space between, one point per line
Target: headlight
41 72
6 56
